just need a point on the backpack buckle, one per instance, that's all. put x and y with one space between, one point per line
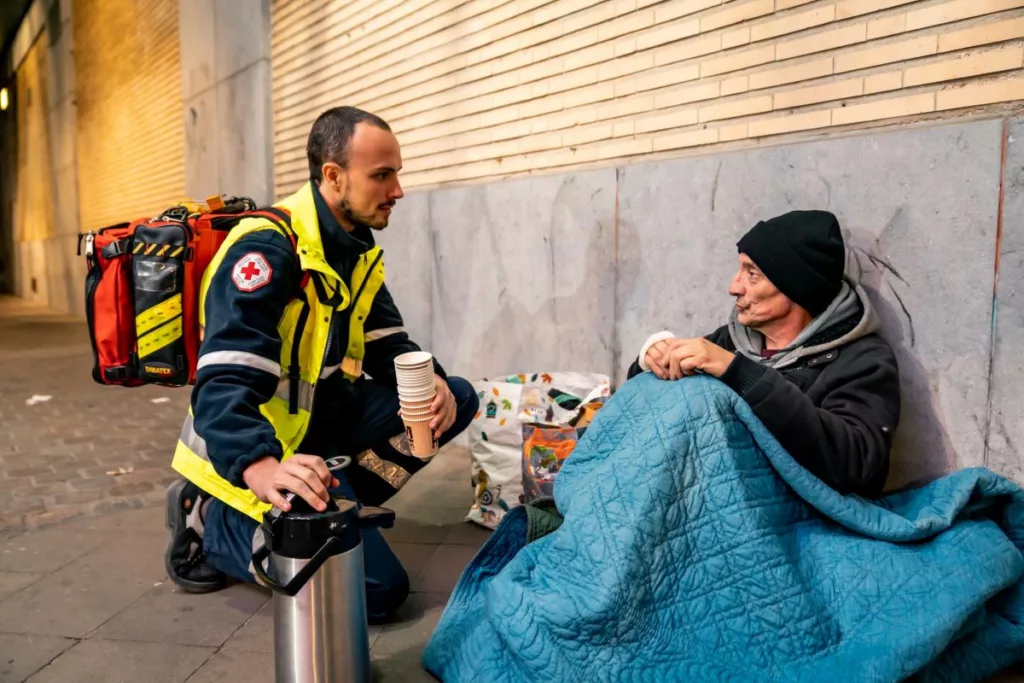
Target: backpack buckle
115 249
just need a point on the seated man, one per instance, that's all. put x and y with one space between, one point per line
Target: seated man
292 319
801 348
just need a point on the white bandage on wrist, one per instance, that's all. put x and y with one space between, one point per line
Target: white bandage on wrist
651 341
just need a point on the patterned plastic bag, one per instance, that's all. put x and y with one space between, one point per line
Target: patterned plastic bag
496 433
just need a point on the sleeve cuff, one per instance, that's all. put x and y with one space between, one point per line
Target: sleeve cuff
239 466
651 341
742 374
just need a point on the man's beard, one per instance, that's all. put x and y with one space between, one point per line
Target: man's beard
357 221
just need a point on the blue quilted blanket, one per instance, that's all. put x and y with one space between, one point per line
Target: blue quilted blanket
694 548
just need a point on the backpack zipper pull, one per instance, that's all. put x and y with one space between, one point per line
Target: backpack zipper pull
89 245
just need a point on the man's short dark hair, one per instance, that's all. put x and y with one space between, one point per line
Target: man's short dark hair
330 136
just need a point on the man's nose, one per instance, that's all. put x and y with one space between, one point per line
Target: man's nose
397 193
735 288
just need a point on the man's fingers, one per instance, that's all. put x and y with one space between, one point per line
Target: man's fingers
440 407
449 419
275 498
310 478
656 363
655 353
314 463
677 372
302 489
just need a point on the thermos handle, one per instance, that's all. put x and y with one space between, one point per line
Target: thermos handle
376 518
299 580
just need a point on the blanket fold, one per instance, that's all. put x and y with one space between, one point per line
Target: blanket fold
693 548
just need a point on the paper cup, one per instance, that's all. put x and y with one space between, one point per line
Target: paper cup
416 413
402 367
421 404
424 379
417 393
413 359
421 438
414 370
415 409
415 404
415 396
416 388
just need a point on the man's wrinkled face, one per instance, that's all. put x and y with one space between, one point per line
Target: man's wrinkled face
758 301
368 185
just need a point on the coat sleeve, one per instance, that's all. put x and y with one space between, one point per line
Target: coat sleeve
386 339
845 439
239 359
719 336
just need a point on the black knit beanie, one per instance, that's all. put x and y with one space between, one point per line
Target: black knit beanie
802 253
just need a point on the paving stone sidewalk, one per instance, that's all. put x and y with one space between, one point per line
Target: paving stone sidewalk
69 446
88 599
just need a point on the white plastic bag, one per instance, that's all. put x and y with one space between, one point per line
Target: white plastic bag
496 435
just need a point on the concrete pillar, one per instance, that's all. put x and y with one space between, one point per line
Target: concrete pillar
41 193
225 78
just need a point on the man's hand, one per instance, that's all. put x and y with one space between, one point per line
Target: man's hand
443 408
689 356
305 475
657 358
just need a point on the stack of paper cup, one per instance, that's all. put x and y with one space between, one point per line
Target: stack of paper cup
416 390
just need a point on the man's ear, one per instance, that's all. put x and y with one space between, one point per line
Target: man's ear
334 177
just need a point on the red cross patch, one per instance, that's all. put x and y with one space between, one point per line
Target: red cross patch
251 272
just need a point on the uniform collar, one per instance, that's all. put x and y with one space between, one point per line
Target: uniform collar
340 247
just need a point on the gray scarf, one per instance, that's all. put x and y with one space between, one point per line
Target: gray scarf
750 342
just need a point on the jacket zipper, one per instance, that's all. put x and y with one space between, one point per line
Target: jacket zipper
330 336
293 366
362 286
355 299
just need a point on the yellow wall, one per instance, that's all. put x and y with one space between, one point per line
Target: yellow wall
488 88
33 208
131 138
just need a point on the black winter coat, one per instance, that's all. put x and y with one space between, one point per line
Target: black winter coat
835 412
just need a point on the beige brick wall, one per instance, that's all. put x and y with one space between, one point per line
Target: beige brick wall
487 88
130 137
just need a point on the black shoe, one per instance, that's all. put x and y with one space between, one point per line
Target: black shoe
184 560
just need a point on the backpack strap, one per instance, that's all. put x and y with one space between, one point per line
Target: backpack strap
283 220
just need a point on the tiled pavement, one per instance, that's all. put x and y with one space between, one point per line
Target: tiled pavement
88 599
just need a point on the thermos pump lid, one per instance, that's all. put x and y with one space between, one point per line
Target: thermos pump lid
302 531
